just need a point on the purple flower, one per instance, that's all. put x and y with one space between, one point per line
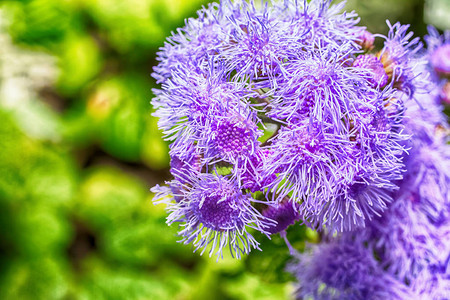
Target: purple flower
372 64
285 214
254 45
433 283
190 46
414 232
425 118
282 103
231 135
209 112
406 240
439 51
354 207
397 57
317 23
344 269
445 93
341 168
318 84
366 40
309 165
213 212
440 59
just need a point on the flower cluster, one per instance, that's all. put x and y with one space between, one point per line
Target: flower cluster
411 240
439 57
281 112
343 269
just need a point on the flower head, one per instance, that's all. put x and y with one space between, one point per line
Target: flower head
284 102
371 63
439 51
255 47
343 269
397 57
366 40
445 93
284 214
433 282
414 231
317 23
214 212
440 59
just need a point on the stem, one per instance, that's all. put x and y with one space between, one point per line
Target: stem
269 120
263 99
292 251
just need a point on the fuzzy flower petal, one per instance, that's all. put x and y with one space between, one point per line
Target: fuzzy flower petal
342 269
213 213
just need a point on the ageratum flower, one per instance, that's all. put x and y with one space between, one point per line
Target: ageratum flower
255 45
210 115
427 179
397 57
284 214
425 118
213 212
320 85
366 40
438 47
406 241
414 233
189 45
289 102
428 165
438 55
341 149
445 93
405 250
376 69
433 282
344 269
317 23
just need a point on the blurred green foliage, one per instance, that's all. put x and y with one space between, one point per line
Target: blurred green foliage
80 150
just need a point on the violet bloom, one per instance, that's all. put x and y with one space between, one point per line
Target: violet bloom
284 214
439 51
440 60
428 164
406 241
317 23
288 102
433 283
376 70
343 269
414 233
341 149
190 44
213 212
397 57
366 40
255 46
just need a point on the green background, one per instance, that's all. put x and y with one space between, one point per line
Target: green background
79 151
